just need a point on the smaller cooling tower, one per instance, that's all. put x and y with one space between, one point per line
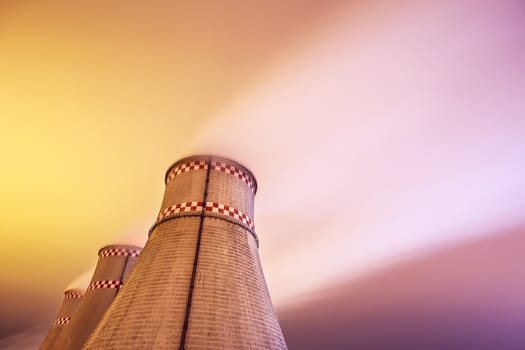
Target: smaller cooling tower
113 266
72 298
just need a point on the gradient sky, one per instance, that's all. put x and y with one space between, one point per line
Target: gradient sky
378 132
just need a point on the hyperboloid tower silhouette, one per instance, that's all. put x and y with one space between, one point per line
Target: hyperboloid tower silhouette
72 298
113 267
198 283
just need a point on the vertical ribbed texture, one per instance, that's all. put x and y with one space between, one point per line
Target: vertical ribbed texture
72 298
113 267
230 304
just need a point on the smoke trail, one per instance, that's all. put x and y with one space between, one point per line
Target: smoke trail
82 281
391 132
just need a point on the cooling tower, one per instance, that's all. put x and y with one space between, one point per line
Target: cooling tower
199 283
72 298
113 267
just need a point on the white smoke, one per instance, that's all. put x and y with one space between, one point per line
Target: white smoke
82 281
389 133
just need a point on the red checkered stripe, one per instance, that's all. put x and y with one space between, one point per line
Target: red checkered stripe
71 295
232 170
105 284
215 165
62 320
181 208
230 211
134 253
210 207
182 168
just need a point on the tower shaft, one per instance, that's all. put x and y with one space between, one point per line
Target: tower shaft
72 298
113 267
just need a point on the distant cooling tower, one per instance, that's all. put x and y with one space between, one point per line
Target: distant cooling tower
113 267
72 298
199 283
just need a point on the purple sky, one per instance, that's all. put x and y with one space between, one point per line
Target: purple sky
465 297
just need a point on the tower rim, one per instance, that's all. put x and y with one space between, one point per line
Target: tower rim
205 157
124 246
74 290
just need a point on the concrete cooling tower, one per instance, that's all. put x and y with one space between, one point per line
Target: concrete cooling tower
113 267
72 298
199 283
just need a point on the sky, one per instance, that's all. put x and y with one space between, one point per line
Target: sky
380 133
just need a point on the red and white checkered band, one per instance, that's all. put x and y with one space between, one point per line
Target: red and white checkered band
181 208
182 168
134 253
62 320
105 284
232 170
230 211
215 165
210 207
72 294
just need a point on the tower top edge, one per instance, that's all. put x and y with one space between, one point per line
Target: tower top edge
119 246
210 157
73 290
